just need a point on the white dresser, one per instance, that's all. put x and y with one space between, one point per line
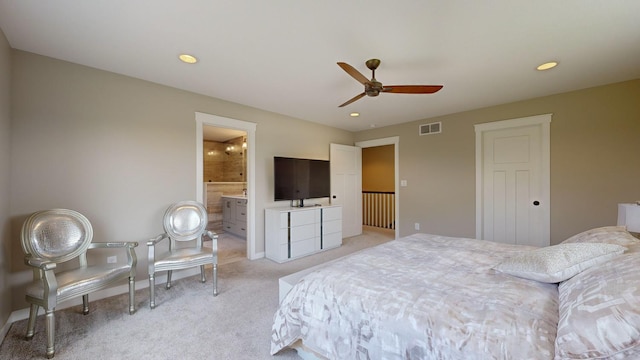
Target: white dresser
291 233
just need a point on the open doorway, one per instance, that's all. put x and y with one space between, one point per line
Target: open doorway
395 199
225 189
378 189
239 149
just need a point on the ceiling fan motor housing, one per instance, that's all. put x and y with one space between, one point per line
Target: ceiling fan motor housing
373 88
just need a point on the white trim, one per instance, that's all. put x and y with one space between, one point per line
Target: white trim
395 141
250 128
511 123
544 121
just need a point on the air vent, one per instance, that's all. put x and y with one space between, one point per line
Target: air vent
428 129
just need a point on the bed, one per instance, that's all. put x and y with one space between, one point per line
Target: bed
435 297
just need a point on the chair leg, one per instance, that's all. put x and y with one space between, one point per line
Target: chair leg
51 332
152 290
85 304
202 277
168 285
31 325
132 290
215 279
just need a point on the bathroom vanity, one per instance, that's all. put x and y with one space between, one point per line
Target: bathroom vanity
234 215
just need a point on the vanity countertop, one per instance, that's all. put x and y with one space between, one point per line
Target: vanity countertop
239 197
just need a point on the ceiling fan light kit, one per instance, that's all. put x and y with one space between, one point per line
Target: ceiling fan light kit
373 87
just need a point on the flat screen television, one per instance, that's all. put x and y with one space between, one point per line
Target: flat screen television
300 179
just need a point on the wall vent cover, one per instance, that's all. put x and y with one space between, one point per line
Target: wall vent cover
429 129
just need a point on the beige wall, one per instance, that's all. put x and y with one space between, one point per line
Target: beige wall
594 161
120 150
378 168
5 147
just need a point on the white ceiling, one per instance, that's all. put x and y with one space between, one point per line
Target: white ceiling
281 55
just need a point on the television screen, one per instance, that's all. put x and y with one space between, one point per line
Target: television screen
298 179
319 179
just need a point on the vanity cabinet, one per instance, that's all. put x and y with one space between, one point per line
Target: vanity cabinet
234 215
292 233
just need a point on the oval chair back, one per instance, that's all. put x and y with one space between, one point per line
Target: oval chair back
57 235
185 221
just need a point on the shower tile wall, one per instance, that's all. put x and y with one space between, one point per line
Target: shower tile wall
225 173
221 165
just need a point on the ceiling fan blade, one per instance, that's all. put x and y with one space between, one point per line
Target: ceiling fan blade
412 89
353 72
357 97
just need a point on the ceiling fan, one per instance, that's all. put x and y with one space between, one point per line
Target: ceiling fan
373 87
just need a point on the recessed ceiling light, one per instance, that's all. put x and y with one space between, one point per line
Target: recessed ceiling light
547 65
354 114
189 59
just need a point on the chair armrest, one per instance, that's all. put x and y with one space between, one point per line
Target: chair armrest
214 242
151 245
104 245
39 263
156 239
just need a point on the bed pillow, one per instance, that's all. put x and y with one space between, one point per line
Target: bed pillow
553 264
607 234
600 312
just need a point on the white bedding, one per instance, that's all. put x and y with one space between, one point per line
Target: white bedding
420 297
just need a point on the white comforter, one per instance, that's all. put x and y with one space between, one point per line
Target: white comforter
420 297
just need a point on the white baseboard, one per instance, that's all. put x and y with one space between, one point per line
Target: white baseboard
22 314
5 329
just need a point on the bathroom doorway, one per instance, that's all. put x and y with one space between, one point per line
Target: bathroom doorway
225 172
225 189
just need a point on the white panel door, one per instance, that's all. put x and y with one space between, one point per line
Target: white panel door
514 185
346 186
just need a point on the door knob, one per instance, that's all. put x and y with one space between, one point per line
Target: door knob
536 203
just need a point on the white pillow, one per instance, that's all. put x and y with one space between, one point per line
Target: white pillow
606 234
557 263
600 312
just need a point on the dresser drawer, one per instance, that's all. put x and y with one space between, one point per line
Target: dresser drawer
331 240
330 227
303 247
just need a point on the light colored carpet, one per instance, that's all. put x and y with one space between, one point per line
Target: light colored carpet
230 248
188 322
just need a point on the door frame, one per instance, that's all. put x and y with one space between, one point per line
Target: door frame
250 128
543 121
395 141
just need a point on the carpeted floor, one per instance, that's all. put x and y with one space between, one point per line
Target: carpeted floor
230 248
188 322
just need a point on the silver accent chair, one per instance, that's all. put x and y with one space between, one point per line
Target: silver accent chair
185 225
52 237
